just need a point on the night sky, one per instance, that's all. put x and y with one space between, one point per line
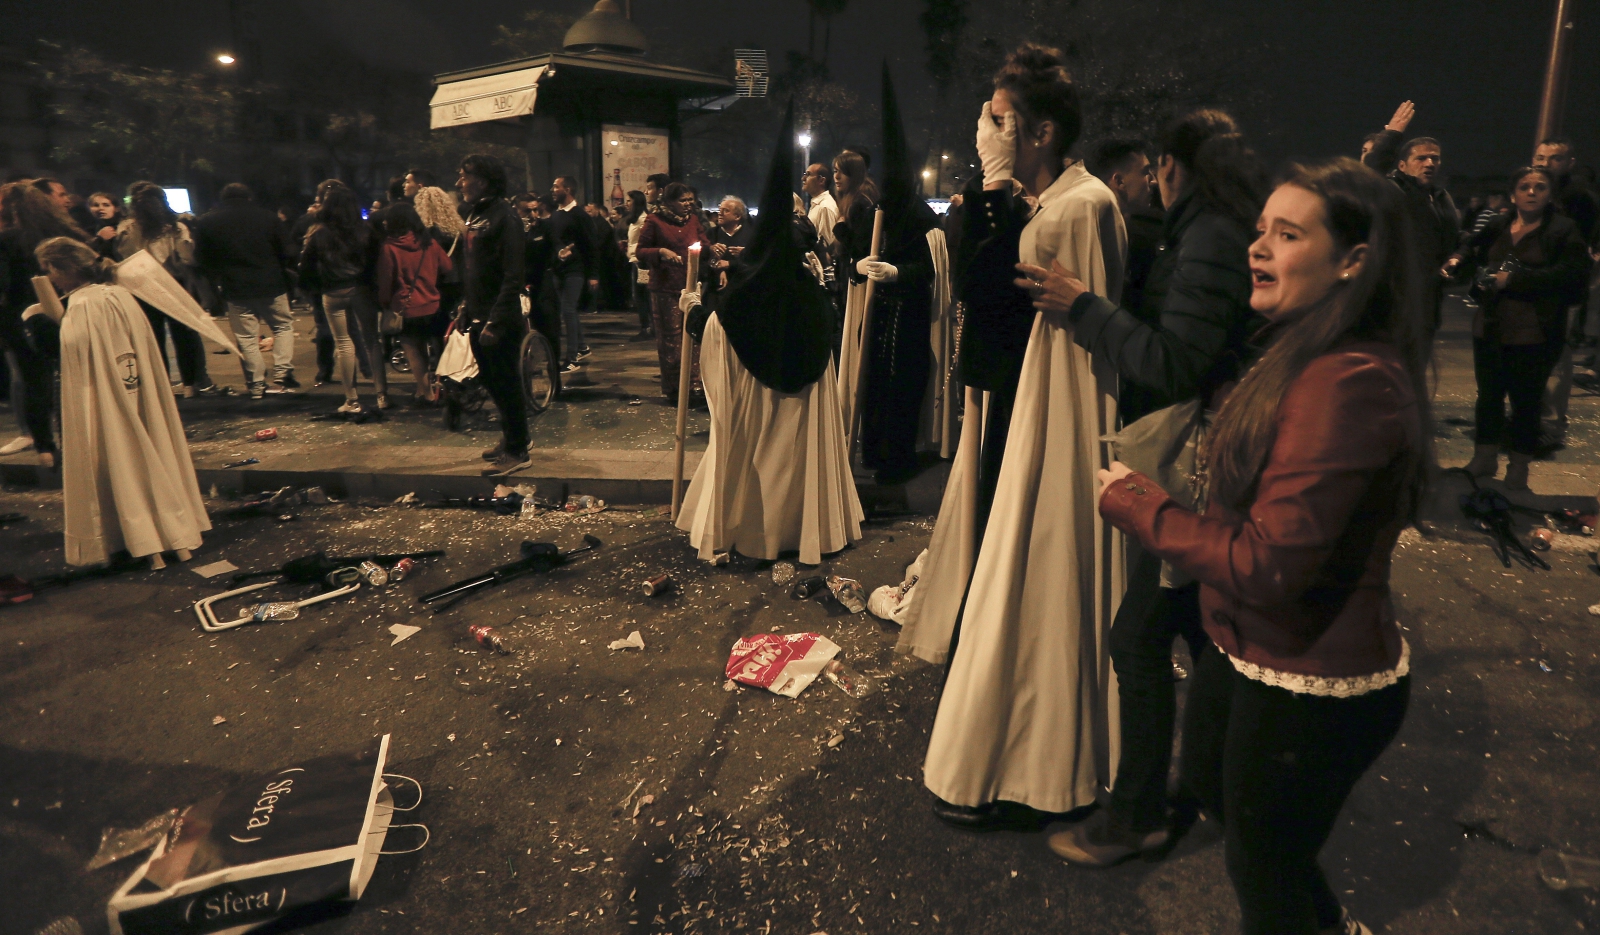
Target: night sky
1329 73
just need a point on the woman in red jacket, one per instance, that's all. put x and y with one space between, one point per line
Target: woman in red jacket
1317 462
409 269
664 250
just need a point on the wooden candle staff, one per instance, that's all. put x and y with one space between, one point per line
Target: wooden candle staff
685 371
866 334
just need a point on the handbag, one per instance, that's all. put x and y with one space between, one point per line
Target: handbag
1167 446
392 319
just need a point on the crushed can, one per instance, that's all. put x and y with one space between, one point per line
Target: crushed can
660 584
401 569
372 573
488 638
808 587
1541 538
266 435
276 610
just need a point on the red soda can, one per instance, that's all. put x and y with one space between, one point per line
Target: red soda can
266 435
488 638
660 584
401 569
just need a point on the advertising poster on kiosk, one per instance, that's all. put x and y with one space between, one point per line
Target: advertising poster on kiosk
628 156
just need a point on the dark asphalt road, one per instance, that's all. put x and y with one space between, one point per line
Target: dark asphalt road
108 691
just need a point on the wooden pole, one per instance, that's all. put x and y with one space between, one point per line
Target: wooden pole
685 369
1552 102
866 331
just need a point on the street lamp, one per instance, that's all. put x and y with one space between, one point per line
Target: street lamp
225 59
804 139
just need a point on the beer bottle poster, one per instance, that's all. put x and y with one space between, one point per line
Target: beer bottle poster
639 152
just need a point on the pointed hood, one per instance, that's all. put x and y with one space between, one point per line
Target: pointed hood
905 214
777 316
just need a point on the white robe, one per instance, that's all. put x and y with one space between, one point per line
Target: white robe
1029 712
776 474
127 481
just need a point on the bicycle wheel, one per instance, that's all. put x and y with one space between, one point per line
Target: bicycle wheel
538 369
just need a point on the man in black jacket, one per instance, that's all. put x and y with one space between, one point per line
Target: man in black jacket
244 249
1413 167
491 305
1125 168
574 265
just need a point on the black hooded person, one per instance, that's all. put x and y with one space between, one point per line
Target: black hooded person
898 360
776 475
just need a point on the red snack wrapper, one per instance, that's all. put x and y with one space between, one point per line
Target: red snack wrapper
783 664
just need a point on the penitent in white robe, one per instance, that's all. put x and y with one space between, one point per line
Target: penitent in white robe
776 474
127 481
1029 712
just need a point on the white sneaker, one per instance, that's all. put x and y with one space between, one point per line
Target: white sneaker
20 443
350 406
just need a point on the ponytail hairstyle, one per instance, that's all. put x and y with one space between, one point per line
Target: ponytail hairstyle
73 257
1036 79
1384 302
147 205
1226 177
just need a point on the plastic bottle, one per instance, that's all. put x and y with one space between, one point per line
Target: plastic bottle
1568 871
850 681
488 638
276 610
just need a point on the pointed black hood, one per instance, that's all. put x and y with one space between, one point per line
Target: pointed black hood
906 216
777 316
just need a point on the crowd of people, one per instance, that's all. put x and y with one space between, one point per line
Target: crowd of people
1166 295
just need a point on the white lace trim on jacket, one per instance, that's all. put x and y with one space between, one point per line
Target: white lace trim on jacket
1323 685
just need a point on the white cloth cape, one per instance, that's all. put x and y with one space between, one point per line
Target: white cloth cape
1029 712
127 481
147 279
776 474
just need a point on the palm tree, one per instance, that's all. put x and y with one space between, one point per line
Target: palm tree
827 9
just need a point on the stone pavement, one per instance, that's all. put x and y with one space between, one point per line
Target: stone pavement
610 434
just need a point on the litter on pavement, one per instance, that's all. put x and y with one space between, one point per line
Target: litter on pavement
632 641
403 632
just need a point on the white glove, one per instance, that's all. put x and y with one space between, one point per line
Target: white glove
997 146
688 300
877 270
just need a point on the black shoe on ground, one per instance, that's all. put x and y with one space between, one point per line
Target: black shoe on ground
570 369
985 817
509 463
583 353
288 382
215 389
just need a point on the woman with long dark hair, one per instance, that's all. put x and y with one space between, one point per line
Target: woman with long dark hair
1316 463
1183 340
153 226
106 209
335 263
1534 264
28 217
664 244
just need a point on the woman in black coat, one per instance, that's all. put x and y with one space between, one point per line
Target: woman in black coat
1528 267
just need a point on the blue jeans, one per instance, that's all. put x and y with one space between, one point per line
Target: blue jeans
246 316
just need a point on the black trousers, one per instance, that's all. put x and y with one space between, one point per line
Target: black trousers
36 373
1276 767
1517 371
191 349
1141 650
898 362
499 371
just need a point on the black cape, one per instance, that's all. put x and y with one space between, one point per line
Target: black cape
776 315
